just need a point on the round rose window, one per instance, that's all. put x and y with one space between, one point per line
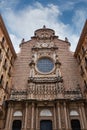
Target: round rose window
45 65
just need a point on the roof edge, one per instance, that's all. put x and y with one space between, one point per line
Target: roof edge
3 27
80 42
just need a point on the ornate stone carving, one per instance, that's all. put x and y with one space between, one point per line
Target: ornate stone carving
45 79
44 91
18 94
44 45
73 93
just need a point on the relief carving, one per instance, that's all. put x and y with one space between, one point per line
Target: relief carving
45 91
44 45
45 79
73 93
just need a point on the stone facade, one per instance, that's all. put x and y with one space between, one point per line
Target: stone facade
81 55
47 86
7 57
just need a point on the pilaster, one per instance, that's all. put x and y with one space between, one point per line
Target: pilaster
37 118
55 125
65 112
9 117
32 118
81 118
26 114
84 116
59 116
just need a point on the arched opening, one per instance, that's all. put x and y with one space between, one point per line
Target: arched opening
45 125
75 124
16 125
74 113
17 113
45 112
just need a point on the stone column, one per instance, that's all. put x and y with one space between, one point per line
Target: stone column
65 112
32 118
37 118
81 119
84 117
55 118
29 114
11 115
59 116
26 113
8 117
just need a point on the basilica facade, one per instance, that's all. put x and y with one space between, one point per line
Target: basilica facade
48 85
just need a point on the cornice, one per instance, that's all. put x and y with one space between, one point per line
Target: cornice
82 36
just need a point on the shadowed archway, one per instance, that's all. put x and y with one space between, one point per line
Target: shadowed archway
45 125
75 124
16 125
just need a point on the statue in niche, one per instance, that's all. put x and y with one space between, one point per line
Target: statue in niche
32 64
32 72
58 72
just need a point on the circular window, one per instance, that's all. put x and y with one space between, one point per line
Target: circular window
45 65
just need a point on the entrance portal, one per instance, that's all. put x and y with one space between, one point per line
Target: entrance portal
75 124
16 125
46 125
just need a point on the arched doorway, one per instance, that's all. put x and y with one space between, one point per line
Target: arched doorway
75 124
45 125
16 125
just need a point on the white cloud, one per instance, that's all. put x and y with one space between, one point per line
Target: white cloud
71 4
26 21
16 41
8 4
79 18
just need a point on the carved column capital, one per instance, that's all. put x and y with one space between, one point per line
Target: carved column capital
26 104
33 104
64 104
58 104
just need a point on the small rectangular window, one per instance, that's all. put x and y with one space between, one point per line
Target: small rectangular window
85 84
6 88
82 71
0 55
5 64
83 50
79 59
86 63
1 81
9 72
3 42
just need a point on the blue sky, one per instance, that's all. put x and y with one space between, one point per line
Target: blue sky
23 17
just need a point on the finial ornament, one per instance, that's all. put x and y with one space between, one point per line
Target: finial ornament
66 39
22 40
44 26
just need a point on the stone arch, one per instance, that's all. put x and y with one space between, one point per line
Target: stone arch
45 112
74 113
17 113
